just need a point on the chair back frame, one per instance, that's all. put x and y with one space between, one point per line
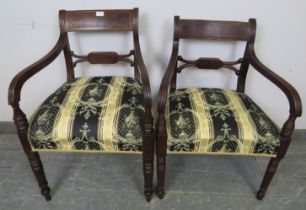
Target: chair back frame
213 30
101 21
88 20
221 30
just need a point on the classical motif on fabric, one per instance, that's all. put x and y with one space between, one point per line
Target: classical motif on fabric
96 114
128 133
217 121
182 122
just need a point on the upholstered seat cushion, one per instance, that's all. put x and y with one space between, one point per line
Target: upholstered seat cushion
217 121
97 114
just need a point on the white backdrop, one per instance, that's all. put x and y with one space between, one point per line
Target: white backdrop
30 28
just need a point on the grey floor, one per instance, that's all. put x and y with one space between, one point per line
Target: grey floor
95 181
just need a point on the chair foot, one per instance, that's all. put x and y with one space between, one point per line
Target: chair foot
161 169
148 198
260 194
160 193
270 171
148 157
39 173
148 177
148 194
33 157
45 191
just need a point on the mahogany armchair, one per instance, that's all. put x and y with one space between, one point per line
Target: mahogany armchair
219 121
109 114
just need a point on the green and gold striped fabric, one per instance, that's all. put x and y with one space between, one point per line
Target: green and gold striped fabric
96 114
217 121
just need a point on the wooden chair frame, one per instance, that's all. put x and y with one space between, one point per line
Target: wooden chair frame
88 20
222 30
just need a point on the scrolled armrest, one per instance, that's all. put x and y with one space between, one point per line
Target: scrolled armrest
291 93
19 80
164 87
143 72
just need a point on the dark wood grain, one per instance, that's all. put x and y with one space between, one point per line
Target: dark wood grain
33 157
89 20
96 20
103 57
244 67
204 29
221 30
148 130
285 139
161 131
68 59
139 64
209 63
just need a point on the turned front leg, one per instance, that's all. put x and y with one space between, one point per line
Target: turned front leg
285 139
34 159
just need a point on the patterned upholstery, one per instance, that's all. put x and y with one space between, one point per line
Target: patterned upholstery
97 114
216 121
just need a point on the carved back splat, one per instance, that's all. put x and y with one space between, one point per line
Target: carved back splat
209 63
103 58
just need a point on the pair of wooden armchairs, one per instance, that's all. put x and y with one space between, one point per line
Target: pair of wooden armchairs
113 114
